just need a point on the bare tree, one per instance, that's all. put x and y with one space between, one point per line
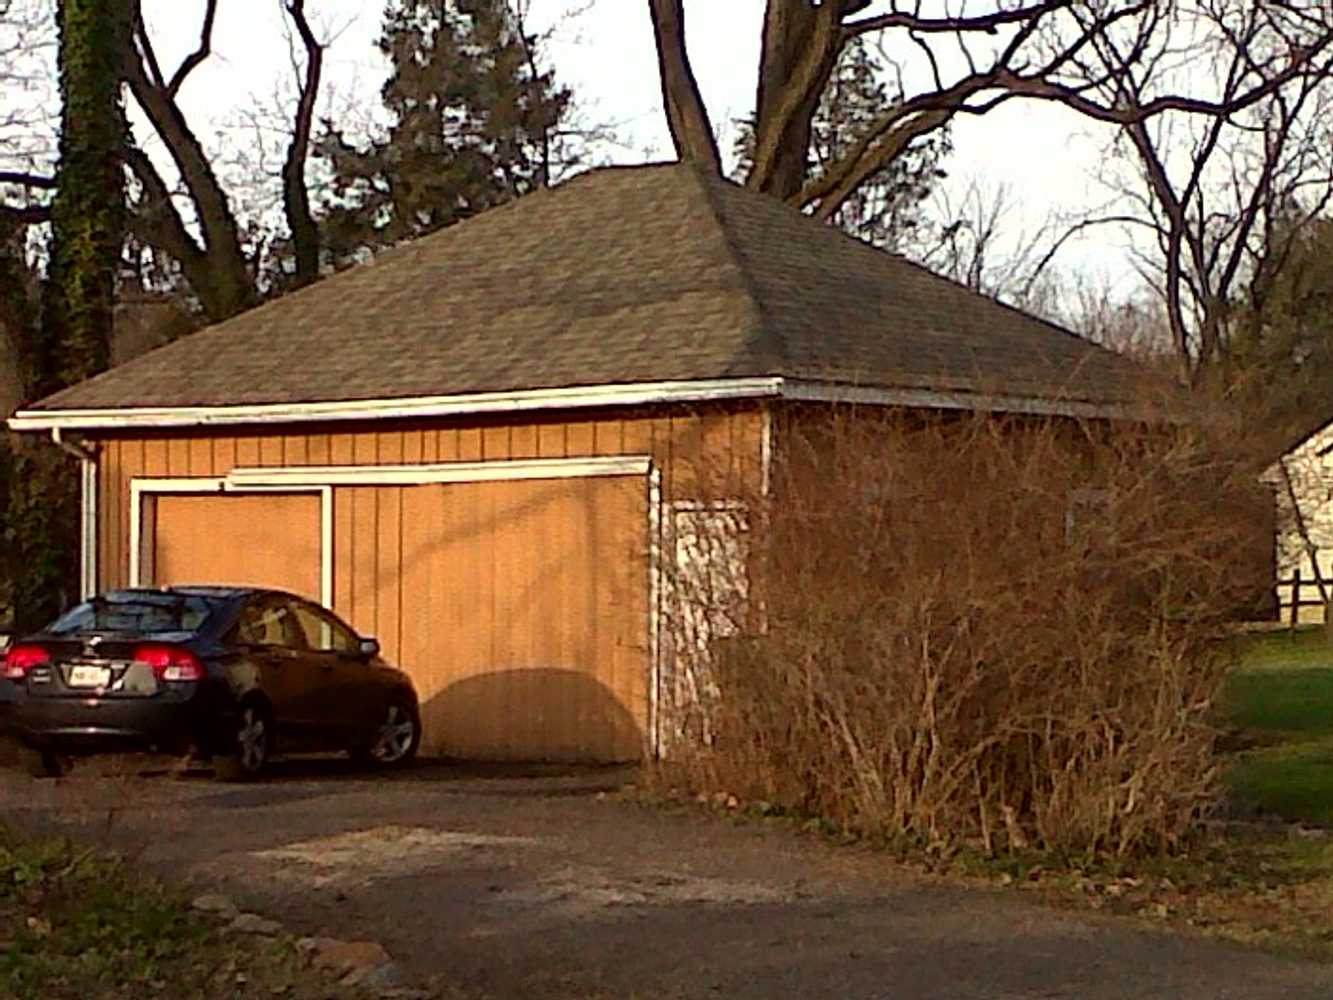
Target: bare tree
296 195
27 122
971 62
207 244
1222 196
980 245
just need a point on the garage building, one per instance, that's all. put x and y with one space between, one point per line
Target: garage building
476 446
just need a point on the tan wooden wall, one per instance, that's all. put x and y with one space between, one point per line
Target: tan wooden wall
697 452
693 448
525 623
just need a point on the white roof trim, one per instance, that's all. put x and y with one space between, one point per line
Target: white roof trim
933 399
630 394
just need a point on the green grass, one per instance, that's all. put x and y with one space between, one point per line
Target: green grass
1285 650
75 924
1280 701
1290 704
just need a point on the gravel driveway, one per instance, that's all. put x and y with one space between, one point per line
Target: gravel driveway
531 884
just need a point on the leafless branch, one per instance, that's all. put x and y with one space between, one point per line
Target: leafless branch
1116 62
296 196
200 54
985 23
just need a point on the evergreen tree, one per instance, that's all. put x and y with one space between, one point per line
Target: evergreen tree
1278 363
475 123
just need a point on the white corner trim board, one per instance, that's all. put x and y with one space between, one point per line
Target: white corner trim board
88 527
529 400
655 589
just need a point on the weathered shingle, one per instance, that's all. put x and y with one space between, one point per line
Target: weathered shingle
636 274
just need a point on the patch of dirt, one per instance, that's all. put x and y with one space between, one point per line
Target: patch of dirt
583 891
366 856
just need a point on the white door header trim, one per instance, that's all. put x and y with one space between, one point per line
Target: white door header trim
446 472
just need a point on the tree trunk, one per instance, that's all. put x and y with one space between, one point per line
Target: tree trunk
687 116
800 50
218 273
295 194
73 340
88 213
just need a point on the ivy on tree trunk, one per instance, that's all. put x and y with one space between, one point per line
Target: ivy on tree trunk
88 214
72 340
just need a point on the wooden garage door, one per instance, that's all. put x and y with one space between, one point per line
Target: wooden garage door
260 539
524 617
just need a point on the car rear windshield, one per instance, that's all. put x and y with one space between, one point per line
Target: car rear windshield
135 613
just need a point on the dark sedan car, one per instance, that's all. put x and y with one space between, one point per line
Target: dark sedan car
235 674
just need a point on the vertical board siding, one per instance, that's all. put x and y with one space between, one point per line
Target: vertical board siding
398 552
696 452
531 600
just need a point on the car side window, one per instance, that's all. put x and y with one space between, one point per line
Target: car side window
325 633
270 623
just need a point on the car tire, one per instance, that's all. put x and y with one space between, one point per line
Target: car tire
397 738
251 744
42 763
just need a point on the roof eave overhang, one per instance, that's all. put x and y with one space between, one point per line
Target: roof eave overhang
579 397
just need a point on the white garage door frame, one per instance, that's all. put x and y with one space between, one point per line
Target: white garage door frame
322 480
146 489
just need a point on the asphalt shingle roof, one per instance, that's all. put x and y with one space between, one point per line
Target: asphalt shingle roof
631 274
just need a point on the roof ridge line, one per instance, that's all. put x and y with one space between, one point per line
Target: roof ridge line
763 327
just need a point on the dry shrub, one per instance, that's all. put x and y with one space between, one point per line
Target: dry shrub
998 630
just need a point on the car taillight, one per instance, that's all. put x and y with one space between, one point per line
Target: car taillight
170 663
22 658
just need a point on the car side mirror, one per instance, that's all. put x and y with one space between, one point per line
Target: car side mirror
370 648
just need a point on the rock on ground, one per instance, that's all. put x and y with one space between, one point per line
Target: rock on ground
253 923
216 904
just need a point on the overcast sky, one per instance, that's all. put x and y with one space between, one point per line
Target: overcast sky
605 52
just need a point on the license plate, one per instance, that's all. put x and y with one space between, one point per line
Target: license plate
84 676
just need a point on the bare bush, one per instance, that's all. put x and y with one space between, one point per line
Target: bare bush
998 630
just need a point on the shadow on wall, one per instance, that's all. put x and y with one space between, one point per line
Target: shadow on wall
531 715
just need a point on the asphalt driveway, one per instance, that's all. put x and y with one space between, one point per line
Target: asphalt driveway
546 884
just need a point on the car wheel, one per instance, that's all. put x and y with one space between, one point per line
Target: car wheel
251 745
42 764
396 739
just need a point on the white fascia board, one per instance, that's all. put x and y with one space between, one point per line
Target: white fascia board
932 399
633 394
452 472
